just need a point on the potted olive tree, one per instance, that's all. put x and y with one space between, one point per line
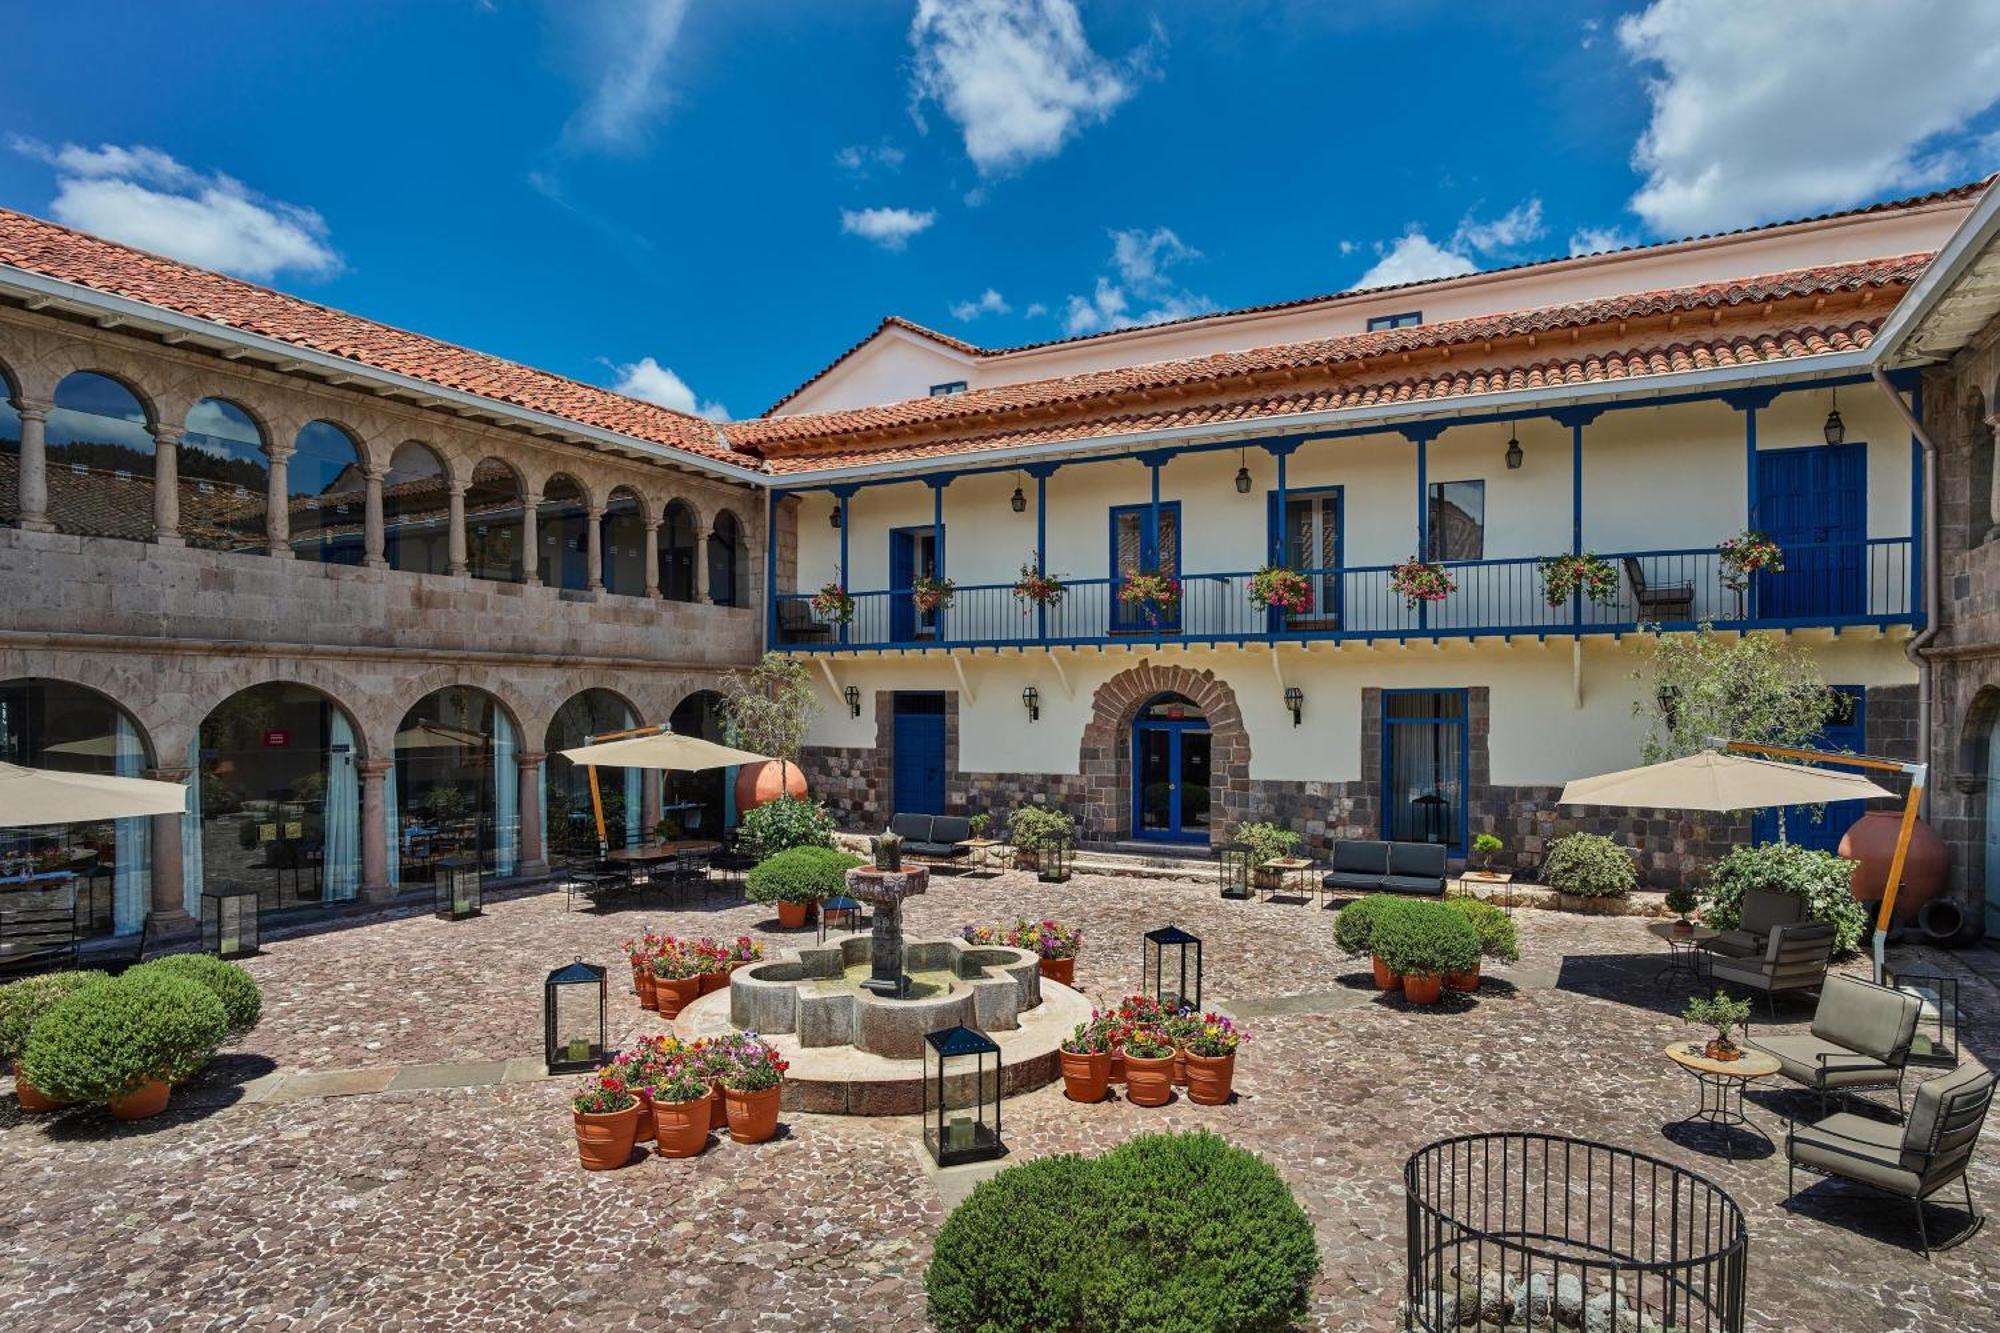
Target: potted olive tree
1725 1016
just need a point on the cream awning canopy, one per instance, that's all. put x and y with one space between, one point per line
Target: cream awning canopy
666 749
1720 782
30 796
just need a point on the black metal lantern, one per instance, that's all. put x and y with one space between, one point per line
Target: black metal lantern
1835 429
1295 699
1054 860
1233 863
573 1004
1242 474
961 1097
229 919
841 915
1019 501
852 694
1031 698
1515 454
1164 971
833 519
461 888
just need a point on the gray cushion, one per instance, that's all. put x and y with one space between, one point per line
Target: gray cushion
1872 1020
1944 1120
1425 860
1361 858
1738 944
1857 1148
1765 908
950 828
1423 884
1799 1060
935 851
912 828
1340 879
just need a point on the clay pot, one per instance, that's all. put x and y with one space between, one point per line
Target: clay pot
1210 1078
1467 980
761 784
1149 1082
1871 844
1386 977
604 1139
1180 1068
1422 990
1059 969
675 994
638 978
642 1132
718 1108
1086 1076
792 916
753 1116
711 982
33 1100
1683 927
648 995
1716 1050
1117 1074
146 1100
680 1129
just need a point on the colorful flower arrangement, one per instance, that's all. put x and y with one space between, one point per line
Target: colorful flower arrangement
928 594
1044 939
1036 588
754 1064
1286 589
1153 593
1147 1042
1747 553
607 1094
1419 581
833 602
1214 1037
666 956
1564 576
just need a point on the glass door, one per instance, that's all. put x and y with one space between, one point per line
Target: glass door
912 555
1170 772
1424 765
1137 549
1309 541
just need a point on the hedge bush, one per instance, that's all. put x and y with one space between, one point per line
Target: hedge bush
1589 865
1498 938
1354 927
1427 940
1175 1232
800 875
109 1039
24 1001
1821 878
232 984
784 823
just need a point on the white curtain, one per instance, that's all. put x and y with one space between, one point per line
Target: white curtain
506 797
191 868
393 824
341 858
542 801
132 883
632 802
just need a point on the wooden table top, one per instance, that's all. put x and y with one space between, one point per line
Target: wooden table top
1488 876
1287 863
1664 930
1751 1064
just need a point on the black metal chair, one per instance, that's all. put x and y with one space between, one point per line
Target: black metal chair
597 881
1659 602
38 930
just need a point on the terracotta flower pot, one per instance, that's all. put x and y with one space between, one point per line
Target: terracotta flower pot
718 1109
792 916
1871 844
604 1139
1385 976
648 991
1086 1075
33 1100
1210 1078
1467 980
145 1100
711 982
675 994
680 1129
1422 990
1683 927
1180 1068
642 1132
1149 1082
638 978
1060 969
1117 1074
753 1116
1723 1051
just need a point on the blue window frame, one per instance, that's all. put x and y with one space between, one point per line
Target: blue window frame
1426 766
1312 539
1137 546
948 387
1407 319
913 553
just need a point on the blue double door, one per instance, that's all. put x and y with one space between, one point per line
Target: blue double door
917 771
1814 504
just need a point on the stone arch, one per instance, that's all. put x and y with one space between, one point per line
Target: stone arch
10 382
325 678
1105 756
108 692
386 709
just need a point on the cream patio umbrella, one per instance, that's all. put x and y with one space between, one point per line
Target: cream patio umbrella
1715 781
30 796
652 747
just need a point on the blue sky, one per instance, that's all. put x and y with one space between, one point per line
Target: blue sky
706 202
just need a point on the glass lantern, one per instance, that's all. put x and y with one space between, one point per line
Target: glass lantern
460 888
1055 861
961 1097
1169 961
573 1011
229 920
841 915
1233 863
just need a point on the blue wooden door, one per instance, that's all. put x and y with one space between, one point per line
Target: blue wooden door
1138 546
1847 730
912 554
918 772
1814 504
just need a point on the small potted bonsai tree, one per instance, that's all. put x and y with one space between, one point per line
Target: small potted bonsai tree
1726 1016
1424 943
1267 842
1682 900
1484 846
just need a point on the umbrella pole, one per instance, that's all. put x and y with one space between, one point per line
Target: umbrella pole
1903 834
597 809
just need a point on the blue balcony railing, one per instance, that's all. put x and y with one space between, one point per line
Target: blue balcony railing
1846 583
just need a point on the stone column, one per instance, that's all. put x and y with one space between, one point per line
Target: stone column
168 911
594 548
534 853
700 566
649 800
372 540
375 885
531 542
455 543
278 503
34 483
1991 444
167 487
652 558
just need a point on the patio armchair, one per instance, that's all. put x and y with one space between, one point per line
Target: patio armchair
1860 1038
1911 1161
1794 960
1760 912
797 625
1659 602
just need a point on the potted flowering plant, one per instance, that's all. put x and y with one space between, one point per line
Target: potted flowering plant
751 1086
1748 552
1153 594
680 1095
1086 1059
1053 943
1419 581
1180 1026
606 1113
1211 1059
1132 1011
710 962
639 951
833 603
745 950
1037 587
676 981
1149 1066
1286 589
929 594
1564 576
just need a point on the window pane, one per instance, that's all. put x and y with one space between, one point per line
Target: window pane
328 496
1458 520
100 460
224 478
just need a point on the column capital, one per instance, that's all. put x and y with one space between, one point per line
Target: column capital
457 487
374 769
594 513
169 437
169 774
532 499
34 409
279 452
529 758
653 524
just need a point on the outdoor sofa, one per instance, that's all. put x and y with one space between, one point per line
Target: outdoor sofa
935 838
1361 866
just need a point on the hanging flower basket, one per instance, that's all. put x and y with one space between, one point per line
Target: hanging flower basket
1036 588
1564 576
1419 581
833 603
1285 589
1152 594
928 594
1749 552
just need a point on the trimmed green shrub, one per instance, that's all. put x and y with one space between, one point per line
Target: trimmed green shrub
1427 940
1589 865
1497 937
1268 842
232 984
24 1001
1007 1258
109 1039
1034 827
788 821
800 875
1821 878
1354 927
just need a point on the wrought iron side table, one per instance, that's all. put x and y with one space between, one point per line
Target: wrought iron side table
1722 1083
1684 948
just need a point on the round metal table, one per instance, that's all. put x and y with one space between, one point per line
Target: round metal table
1722 1083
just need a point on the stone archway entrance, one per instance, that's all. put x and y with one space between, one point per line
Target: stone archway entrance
1105 758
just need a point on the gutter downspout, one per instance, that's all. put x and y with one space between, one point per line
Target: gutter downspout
1914 649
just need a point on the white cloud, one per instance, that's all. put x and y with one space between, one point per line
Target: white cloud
1593 240
990 302
624 47
863 160
648 379
1764 111
1018 76
145 197
1035 310
890 228
1143 292
1511 230
1415 257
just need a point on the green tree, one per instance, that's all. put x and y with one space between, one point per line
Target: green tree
771 707
1758 688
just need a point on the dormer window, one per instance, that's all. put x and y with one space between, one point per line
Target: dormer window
1409 319
946 390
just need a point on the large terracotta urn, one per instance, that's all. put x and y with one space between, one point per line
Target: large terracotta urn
761 784
1871 843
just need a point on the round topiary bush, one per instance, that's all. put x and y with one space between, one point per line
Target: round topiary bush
800 875
1497 937
1589 865
1427 940
110 1039
232 984
1354 927
24 1001
788 821
1006 1258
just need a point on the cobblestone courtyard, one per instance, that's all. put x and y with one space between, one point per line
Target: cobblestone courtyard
464 1206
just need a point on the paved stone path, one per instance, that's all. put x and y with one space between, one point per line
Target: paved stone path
449 1194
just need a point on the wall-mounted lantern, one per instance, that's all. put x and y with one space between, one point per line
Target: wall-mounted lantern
1295 699
1032 698
853 696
